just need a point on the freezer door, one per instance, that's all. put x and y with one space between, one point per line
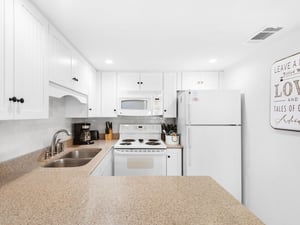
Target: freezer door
214 107
215 151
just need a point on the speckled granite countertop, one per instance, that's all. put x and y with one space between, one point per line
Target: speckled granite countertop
71 196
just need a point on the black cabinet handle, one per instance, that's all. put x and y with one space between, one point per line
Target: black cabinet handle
169 156
21 100
75 79
13 99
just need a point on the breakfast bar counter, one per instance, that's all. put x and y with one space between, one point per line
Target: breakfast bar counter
73 196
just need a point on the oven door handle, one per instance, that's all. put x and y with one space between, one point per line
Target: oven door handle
136 153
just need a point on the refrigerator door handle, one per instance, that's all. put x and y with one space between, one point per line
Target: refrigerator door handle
189 114
189 108
189 146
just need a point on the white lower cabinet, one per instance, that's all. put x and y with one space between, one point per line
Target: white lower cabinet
105 168
174 162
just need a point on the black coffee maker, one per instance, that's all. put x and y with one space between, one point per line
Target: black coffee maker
82 134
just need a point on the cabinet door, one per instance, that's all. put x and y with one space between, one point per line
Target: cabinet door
80 75
200 80
128 81
109 94
6 59
94 97
108 164
60 60
170 95
105 168
29 65
151 81
174 162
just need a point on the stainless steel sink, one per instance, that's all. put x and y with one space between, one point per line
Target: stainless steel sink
82 153
75 158
68 162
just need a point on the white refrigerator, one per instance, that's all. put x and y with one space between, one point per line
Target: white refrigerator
209 124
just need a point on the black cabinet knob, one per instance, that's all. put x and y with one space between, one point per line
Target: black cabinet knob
21 100
169 156
90 109
13 99
115 110
138 82
165 110
142 82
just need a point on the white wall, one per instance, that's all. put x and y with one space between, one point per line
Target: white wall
24 136
271 157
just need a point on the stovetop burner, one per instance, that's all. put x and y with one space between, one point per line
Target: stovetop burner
153 140
128 140
125 143
152 143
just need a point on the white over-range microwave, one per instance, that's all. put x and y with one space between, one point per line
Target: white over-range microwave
141 104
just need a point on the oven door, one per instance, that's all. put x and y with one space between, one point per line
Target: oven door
140 162
134 107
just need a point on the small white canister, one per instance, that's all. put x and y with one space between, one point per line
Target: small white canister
172 139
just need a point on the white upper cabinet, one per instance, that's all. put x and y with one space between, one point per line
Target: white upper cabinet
151 81
108 94
128 81
60 60
200 80
24 93
145 81
170 95
30 55
80 74
6 59
66 66
94 95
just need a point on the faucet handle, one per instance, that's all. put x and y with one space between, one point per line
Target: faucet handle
47 154
60 147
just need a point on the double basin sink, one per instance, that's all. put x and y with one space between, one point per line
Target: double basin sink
75 158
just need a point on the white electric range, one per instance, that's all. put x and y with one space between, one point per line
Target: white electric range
140 151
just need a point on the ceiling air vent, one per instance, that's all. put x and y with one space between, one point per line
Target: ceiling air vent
265 33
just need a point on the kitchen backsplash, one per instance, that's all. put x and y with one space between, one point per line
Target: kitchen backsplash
20 137
99 123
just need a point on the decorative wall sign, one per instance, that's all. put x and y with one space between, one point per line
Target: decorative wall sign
285 93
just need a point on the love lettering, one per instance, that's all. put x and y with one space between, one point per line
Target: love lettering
287 89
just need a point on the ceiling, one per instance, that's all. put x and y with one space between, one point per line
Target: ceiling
168 35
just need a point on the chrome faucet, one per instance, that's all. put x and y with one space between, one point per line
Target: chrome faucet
55 140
